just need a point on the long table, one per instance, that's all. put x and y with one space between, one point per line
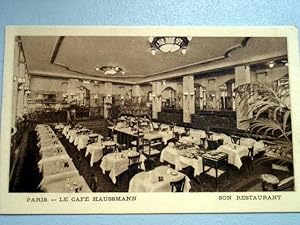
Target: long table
59 172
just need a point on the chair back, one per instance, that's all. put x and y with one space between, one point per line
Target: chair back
133 165
158 126
99 139
235 139
220 142
176 135
108 149
149 164
121 147
134 159
209 135
157 143
187 131
171 127
178 186
212 145
251 152
107 138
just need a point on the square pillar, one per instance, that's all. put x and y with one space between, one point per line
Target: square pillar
242 76
20 96
188 98
156 98
136 93
107 99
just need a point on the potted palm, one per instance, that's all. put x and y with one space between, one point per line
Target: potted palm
268 107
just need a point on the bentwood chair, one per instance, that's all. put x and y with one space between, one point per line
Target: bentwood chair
149 164
121 147
153 148
139 142
212 144
209 135
250 159
202 142
134 165
187 131
235 139
108 150
178 186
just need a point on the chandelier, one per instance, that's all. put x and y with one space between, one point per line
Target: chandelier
169 44
110 70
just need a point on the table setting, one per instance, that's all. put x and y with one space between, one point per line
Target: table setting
117 163
157 180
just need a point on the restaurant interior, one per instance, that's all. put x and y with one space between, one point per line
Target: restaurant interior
150 114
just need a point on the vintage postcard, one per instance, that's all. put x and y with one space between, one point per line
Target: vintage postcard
150 120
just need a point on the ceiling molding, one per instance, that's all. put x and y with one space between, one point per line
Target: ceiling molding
209 65
56 49
218 65
226 54
79 76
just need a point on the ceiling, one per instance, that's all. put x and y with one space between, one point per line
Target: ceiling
75 56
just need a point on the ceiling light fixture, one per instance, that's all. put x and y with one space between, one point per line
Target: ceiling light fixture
284 62
110 70
169 44
271 64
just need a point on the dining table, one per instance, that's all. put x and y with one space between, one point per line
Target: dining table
117 163
81 141
73 184
182 156
235 153
157 180
58 171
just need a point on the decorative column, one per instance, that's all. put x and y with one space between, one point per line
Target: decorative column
242 76
233 96
20 96
136 93
107 99
156 98
15 84
188 98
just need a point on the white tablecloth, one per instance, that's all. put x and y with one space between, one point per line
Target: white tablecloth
166 135
53 153
57 177
59 126
61 186
117 163
45 135
53 164
66 130
181 160
72 135
50 147
149 181
96 151
218 136
190 140
169 154
259 146
249 142
235 153
81 141
45 142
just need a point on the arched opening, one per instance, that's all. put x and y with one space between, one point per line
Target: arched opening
227 95
168 97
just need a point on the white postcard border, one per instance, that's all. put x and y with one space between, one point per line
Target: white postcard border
131 203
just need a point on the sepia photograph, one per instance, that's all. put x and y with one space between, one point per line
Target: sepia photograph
149 112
